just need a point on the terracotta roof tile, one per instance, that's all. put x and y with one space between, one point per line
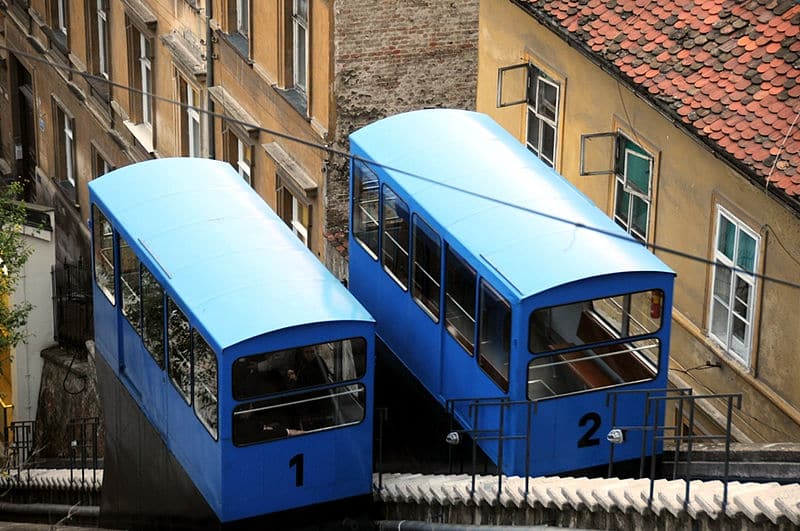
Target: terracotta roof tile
728 71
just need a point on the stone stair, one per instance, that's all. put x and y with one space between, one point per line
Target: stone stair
590 502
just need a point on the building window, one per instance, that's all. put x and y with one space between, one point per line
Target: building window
243 18
300 45
238 25
61 16
102 38
141 72
100 166
295 212
632 195
542 123
146 78
239 154
734 284
190 119
59 24
65 147
99 48
542 97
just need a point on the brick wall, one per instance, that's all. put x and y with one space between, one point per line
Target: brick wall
394 56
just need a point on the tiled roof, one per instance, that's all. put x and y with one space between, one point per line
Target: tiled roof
728 70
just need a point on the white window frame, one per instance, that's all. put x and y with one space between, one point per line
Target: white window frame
735 348
242 164
69 146
542 121
192 123
621 179
146 69
102 38
61 9
243 18
300 46
300 230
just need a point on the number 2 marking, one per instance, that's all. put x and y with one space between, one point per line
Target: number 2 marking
593 419
297 462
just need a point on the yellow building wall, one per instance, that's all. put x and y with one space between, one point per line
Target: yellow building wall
689 181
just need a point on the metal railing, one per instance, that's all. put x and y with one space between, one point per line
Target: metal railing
83 433
499 434
656 431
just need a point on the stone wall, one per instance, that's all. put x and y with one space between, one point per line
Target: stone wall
68 391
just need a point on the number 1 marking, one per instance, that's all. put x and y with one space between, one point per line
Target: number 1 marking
297 461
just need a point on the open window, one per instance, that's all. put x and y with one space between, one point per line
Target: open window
633 167
525 83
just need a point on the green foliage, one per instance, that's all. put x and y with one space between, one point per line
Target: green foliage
13 255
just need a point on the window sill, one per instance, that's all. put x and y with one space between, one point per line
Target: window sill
296 99
240 44
143 134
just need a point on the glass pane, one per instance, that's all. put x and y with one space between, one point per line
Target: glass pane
365 206
742 299
746 253
533 131
205 384
547 100
722 282
738 329
426 270
637 172
460 287
153 316
495 336
395 236
548 151
129 284
596 321
281 417
719 320
622 205
103 241
296 368
589 369
300 59
179 350
639 216
726 239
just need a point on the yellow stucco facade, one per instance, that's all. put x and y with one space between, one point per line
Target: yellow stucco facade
689 185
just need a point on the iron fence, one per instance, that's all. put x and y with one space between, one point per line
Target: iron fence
72 302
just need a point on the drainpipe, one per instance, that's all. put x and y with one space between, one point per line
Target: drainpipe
210 80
